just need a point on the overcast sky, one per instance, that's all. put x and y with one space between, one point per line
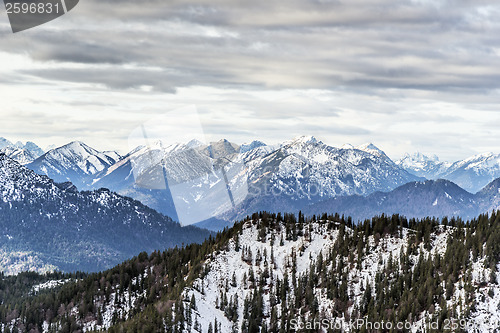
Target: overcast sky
406 75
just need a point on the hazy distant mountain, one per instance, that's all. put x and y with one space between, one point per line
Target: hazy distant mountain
31 147
5 143
175 179
75 162
434 198
471 174
250 146
221 148
421 165
474 172
22 153
58 226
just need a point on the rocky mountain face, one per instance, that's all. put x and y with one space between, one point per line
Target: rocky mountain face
46 225
214 184
282 273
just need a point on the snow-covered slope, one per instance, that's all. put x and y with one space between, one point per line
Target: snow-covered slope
306 167
273 273
237 272
31 147
250 146
305 170
46 224
161 175
75 162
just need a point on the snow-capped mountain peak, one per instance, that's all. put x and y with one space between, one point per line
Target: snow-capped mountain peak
33 149
474 172
423 165
305 139
5 143
481 161
87 159
417 161
195 143
347 146
250 146
289 170
22 153
74 162
371 148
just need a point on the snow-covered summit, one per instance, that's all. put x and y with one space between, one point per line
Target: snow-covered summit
5 143
195 143
303 168
73 162
22 156
305 162
30 147
347 146
304 139
250 146
481 162
22 153
372 149
474 172
423 165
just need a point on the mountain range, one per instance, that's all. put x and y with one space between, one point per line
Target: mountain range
472 173
46 225
195 182
216 183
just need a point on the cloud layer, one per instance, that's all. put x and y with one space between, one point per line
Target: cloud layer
406 75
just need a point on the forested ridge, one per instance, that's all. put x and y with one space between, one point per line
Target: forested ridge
285 267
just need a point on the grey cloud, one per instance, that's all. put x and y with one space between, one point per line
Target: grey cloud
303 44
